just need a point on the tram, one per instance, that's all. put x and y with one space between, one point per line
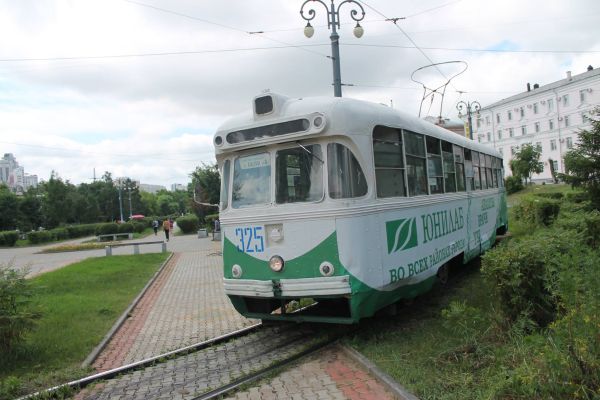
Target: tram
347 206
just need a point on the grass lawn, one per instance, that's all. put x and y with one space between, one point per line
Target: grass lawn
79 304
438 361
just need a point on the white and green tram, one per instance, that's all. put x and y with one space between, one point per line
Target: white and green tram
351 204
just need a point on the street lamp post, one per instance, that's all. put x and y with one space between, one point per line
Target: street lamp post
333 23
471 107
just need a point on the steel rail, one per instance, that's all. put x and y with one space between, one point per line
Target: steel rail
83 382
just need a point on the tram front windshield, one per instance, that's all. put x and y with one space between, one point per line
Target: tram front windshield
298 176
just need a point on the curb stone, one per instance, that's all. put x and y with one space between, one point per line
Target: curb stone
398 390
94 354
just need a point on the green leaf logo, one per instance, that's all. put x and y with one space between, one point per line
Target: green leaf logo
401 234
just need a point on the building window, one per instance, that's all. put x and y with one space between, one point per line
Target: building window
584 118
511 132
499 134
523 130
551 124
537 127
509 113
566 120
565 99
535 108
553 144
522 112
498 118
478 123
501 150
550 105
582 96
555 164
512 150
489 136
487 120
569 143
538 146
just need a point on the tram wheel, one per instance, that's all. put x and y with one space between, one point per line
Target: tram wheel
443 274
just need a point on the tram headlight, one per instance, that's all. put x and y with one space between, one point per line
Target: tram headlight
276 263
326 268
236 271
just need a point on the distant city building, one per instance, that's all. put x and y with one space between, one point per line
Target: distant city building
14 176
177 186
454 126
548 117
144 187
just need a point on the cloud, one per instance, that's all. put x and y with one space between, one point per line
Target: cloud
152 117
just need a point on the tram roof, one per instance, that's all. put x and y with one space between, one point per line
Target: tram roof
343 115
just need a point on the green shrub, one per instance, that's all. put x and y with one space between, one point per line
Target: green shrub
586 223
59 234
577 197
537 210
15 319
107 228
77 231
8 238
522 272
40 237
126 227
138 226
188 223
550 195
9 387
513 184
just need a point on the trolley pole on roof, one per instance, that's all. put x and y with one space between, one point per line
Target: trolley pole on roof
333 23
471 108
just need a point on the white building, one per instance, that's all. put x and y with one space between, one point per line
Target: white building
145 187
30 181
177 186
547 116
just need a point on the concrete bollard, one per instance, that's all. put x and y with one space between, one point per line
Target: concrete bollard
202 233
108 250
164 247
136 249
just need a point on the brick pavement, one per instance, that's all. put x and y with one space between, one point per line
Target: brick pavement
330 375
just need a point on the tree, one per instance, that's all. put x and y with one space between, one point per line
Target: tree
527 162
9 207
583 162
205 188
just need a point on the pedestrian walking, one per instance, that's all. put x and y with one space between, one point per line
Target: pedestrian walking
155 227
166 227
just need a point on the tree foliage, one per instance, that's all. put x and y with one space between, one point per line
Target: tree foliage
583 162
527 162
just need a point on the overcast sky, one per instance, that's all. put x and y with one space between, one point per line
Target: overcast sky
138 88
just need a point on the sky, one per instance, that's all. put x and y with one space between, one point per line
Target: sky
138 87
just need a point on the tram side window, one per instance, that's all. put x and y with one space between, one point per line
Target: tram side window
346 177
488 170
389 162
459 160
225 185
416 169
495 171
251 180
484 182
476 175
434 165
449 169
469 170
299 174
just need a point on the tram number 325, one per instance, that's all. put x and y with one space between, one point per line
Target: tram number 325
250 239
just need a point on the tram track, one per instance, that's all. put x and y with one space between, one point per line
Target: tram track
205 370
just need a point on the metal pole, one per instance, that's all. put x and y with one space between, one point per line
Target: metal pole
130 209
335 55
120 203
470 121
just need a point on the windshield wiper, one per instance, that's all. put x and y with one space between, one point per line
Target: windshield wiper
310 152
